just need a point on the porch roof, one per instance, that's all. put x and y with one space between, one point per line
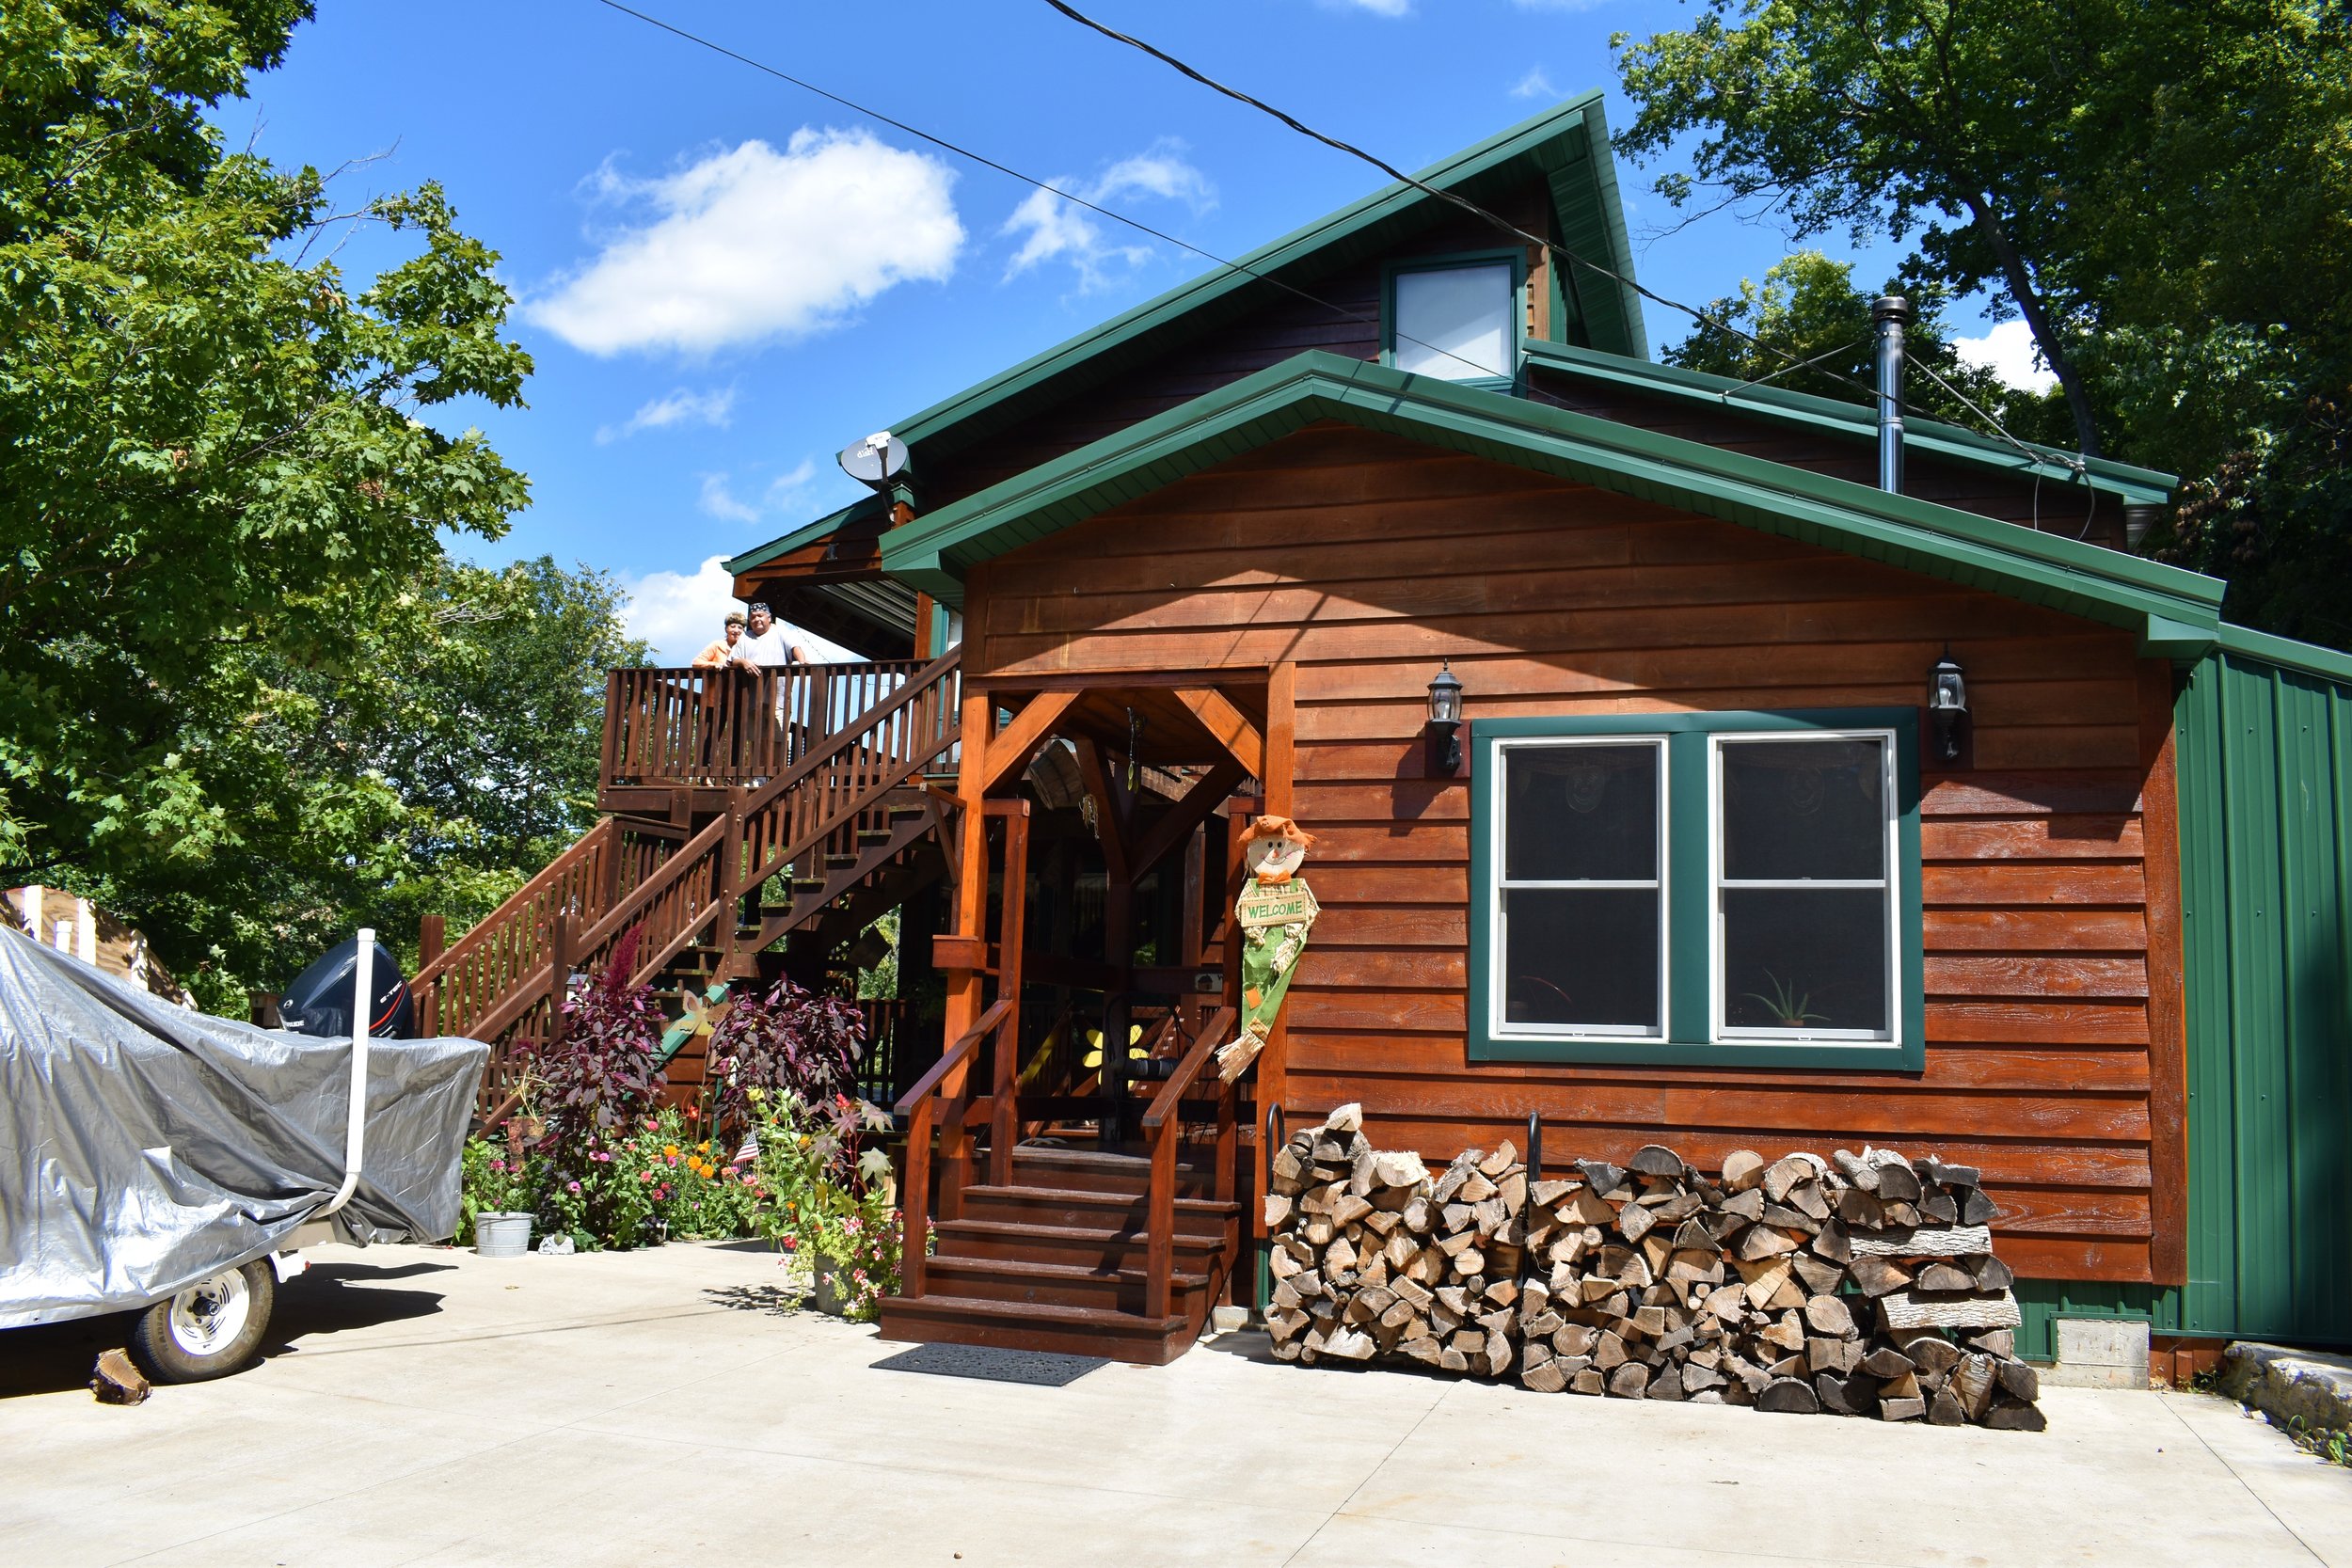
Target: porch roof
2173 613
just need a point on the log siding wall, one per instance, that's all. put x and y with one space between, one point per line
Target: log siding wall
1364 558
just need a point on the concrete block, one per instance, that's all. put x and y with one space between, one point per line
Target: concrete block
1227 1319
2100 1352
2288 1385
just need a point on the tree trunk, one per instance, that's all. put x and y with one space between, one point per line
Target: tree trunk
2029 303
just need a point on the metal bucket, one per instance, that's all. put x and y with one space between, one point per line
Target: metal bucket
501 1235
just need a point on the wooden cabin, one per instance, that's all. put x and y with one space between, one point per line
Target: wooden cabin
1699 866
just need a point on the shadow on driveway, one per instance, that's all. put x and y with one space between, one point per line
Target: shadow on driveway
323 1300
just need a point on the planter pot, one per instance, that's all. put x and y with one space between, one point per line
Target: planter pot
499 1234
829 1297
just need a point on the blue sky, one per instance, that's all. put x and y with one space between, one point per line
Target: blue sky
725 279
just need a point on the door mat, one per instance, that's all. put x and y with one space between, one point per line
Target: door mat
1045 1368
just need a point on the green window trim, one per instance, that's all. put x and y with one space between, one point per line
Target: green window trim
1690 1036
1512 339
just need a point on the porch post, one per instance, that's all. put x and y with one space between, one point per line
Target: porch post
1004 1123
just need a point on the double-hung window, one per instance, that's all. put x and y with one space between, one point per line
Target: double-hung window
1702 888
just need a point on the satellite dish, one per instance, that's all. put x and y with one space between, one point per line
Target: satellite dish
875 461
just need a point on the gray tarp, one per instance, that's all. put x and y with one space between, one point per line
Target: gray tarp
144 1146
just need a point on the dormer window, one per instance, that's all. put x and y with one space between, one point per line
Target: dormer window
1455 317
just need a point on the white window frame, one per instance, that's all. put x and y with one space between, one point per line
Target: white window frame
1888 885
1497 811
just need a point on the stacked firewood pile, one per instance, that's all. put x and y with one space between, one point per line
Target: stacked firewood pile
1860 1285
1371 1256
1658 1283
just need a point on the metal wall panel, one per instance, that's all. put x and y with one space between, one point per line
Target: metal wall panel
2264 761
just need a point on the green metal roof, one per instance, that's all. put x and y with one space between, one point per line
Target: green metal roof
1568 145
2135 486
2173 613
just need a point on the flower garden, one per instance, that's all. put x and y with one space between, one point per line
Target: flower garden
773 1145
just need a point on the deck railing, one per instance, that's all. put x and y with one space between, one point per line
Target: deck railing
677 728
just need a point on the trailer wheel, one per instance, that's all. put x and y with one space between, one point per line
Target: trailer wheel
210 1329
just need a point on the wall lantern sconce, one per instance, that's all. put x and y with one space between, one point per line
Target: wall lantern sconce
1947 710
1445 719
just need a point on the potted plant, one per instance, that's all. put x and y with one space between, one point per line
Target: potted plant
1787 1004
498 1188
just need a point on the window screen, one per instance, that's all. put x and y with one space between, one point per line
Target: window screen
1581 900
1803 889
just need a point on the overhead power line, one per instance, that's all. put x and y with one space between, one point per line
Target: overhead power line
1006 170
1507 226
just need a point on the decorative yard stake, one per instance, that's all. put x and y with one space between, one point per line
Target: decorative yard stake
1274 910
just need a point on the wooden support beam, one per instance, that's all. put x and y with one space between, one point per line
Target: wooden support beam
1226 724
1016 899
1113 805
1169 833
1010 750
963 985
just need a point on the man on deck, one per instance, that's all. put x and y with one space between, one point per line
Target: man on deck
765 645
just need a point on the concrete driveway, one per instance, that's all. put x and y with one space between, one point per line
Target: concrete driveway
427 1406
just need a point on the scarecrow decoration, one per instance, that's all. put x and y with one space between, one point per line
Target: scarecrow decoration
1274 910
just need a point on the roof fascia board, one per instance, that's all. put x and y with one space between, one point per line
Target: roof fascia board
2140 487
807 533
934 552
1392 201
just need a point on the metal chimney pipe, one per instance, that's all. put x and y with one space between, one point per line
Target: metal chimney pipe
1889 313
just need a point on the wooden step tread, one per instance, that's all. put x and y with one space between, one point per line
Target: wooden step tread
1062 1235
1102 1319
1081 1195
1070 1272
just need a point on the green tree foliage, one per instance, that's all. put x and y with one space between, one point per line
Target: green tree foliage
2164 193
226 488
1807 310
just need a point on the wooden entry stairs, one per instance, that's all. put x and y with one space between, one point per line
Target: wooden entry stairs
1093 1252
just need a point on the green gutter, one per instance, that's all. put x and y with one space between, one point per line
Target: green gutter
2308 658
2173 613
2135 486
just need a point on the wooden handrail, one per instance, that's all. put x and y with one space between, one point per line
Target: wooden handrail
915 1193
485 929
954 1054
1159 1129
912 688
1164 1103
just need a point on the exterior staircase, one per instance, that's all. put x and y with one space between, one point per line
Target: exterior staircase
1056 1258
808 777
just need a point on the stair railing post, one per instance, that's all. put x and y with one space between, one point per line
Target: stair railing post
432 941
1161 1230
559 972
915 1200
1004 1115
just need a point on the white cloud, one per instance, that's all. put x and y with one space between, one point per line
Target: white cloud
1055 229
1536 85
714 407
751 243
785 493
679 612
721 502
2008 351
1377 7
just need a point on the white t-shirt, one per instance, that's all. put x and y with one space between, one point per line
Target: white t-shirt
770 648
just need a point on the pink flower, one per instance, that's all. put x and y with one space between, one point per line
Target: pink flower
573 1185
600 1154
498 1164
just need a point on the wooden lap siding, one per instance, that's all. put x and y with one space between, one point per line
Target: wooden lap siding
1364 558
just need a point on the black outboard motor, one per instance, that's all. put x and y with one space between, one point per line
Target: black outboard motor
319 1001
